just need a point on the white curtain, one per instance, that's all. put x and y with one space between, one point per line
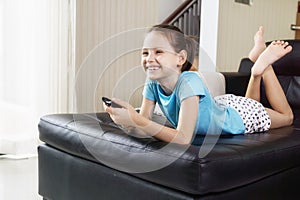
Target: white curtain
34 63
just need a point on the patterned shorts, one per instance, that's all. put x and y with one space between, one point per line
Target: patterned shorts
253 113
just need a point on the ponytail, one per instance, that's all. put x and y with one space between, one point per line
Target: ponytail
191 48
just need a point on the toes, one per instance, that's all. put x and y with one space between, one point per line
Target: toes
288 48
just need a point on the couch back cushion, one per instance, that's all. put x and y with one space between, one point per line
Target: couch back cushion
214 81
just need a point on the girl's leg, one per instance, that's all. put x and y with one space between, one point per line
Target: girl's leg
281 113
259 45
253 90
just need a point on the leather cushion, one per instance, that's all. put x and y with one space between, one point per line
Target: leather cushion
232 162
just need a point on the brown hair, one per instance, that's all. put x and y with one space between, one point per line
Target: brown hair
179 42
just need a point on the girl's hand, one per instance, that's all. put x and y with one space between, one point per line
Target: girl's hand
104 106
125 116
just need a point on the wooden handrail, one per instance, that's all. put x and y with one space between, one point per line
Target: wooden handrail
187 17
177 11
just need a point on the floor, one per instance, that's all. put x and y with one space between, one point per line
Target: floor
19 177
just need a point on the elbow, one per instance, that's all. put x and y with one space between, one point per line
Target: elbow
185 142
182 139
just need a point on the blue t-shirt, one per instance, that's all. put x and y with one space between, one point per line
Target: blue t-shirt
213 118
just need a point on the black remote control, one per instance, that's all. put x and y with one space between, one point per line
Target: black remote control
109 102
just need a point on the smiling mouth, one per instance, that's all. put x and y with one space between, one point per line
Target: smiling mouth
153 68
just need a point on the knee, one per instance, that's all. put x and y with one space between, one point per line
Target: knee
290 118
280 119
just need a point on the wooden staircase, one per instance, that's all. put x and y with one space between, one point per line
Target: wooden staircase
187 17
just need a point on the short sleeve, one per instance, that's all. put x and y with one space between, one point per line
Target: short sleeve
148 91
191 84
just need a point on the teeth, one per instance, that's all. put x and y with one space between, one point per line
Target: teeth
153 68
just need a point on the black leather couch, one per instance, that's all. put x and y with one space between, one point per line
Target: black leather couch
86 156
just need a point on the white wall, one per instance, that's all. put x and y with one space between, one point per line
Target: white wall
166 7
227 29
107 53
238 23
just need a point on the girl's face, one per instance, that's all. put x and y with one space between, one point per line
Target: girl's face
159 58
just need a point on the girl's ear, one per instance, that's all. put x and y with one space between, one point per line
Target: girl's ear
182 57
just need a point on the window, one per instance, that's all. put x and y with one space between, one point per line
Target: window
33 61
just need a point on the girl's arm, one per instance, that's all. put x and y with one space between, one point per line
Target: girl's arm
183 134
147 108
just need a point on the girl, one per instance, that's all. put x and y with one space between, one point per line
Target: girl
186 102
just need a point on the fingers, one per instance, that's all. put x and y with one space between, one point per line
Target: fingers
123 104
107 108
104 106
116 105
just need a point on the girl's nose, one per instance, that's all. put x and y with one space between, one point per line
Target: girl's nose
150 57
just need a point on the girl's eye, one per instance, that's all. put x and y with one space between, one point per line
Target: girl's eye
159 51
144 53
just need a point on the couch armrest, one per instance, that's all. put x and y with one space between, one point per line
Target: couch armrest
236 82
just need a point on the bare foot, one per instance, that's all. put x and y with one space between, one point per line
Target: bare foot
259 45
275 51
